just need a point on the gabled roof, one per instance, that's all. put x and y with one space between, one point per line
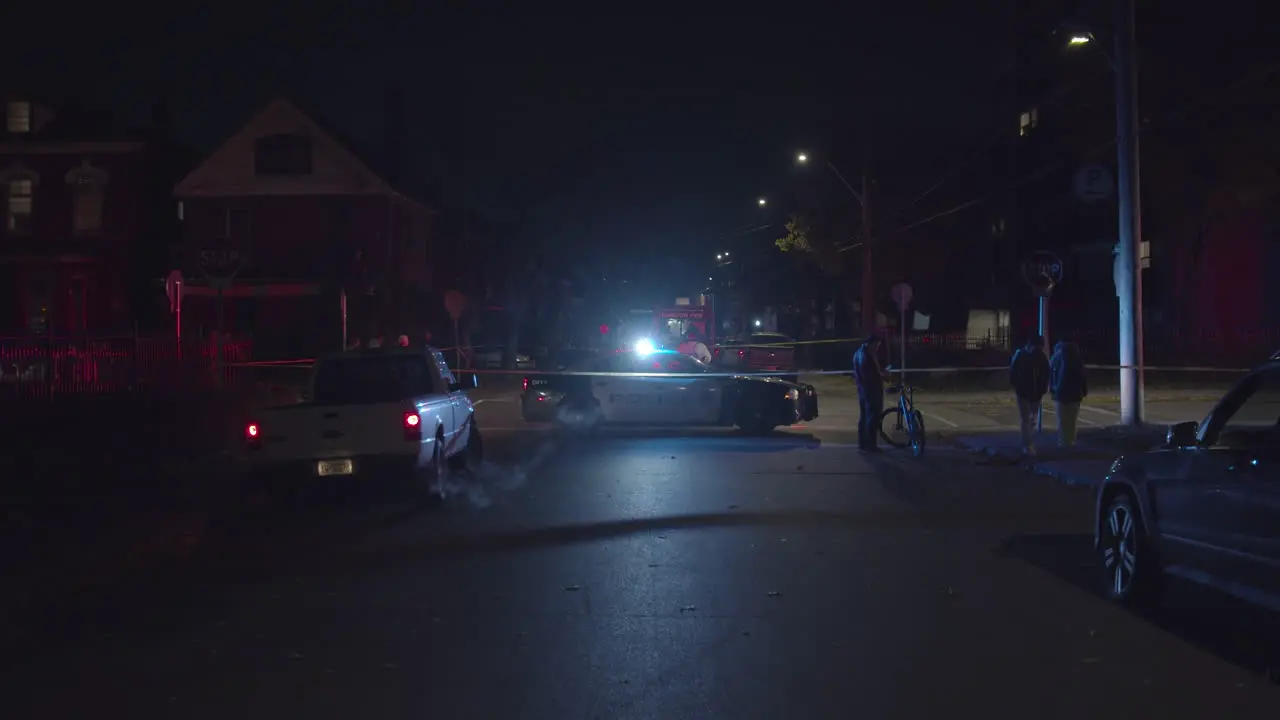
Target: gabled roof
349 172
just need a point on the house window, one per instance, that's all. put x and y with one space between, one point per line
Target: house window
18 116
87 200
1028 121
282 155
19 205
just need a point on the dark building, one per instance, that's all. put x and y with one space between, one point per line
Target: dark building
312 231
76 214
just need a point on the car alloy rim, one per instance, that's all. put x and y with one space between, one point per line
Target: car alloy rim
1120 556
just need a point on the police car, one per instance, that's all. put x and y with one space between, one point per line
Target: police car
663 387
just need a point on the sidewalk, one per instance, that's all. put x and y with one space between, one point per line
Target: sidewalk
841 385
1085 464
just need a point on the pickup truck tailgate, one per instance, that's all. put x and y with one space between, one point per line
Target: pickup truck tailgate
304 432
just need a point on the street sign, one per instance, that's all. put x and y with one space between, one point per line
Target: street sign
1042 270
220 260
901 295
1093 183
455 302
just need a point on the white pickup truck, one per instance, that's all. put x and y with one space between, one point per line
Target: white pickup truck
386 412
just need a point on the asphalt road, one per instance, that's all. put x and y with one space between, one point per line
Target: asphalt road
661 574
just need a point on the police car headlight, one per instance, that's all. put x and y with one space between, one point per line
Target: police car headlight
793 394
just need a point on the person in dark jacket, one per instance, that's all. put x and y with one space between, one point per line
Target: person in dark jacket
1068 386
1029 375
870 379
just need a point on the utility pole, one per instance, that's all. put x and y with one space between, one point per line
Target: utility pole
868 286
1128 270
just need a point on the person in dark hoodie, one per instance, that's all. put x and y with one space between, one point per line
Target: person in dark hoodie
1068 386
1029 375
870 379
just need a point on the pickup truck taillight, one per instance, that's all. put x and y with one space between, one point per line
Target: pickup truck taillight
412 427
253 435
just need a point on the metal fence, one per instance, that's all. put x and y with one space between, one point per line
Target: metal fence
34 367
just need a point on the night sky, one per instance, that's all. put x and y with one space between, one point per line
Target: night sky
617 132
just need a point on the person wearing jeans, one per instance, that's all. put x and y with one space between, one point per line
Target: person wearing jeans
1029 375
870 380
1068 386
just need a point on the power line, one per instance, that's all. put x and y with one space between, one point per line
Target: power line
1178 113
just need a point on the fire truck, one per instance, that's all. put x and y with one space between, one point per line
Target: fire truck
666 326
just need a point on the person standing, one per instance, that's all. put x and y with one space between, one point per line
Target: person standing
1068 385
1029 375
870 378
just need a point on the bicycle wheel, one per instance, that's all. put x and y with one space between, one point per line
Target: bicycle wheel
917 433
893 427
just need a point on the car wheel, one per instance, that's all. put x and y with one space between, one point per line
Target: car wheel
582 418
755 423
472 454
430 482
1131 572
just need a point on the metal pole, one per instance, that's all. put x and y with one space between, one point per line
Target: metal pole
1129 277
868 289
457 345
220 341
902 340
1044 333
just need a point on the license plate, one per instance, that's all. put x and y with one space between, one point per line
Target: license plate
325 468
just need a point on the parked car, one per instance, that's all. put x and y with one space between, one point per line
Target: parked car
663 387
1205 506
762 352
490 358
387 413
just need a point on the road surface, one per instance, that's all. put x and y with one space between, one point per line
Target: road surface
657 574
944 412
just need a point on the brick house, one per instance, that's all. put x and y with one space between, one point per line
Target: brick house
75 208
314 229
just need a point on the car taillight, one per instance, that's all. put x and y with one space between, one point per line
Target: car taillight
412 426
526 384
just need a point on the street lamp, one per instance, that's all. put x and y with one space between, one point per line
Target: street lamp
868 286
762 202
1128 271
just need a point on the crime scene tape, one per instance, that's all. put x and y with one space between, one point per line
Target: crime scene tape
308 362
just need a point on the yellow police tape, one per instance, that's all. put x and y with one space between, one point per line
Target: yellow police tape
307 363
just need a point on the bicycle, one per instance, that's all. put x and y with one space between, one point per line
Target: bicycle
903 425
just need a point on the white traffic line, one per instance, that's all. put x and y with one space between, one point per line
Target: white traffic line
1100 411
939 418
1049 410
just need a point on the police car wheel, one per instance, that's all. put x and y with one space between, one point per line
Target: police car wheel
580 419
755 423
